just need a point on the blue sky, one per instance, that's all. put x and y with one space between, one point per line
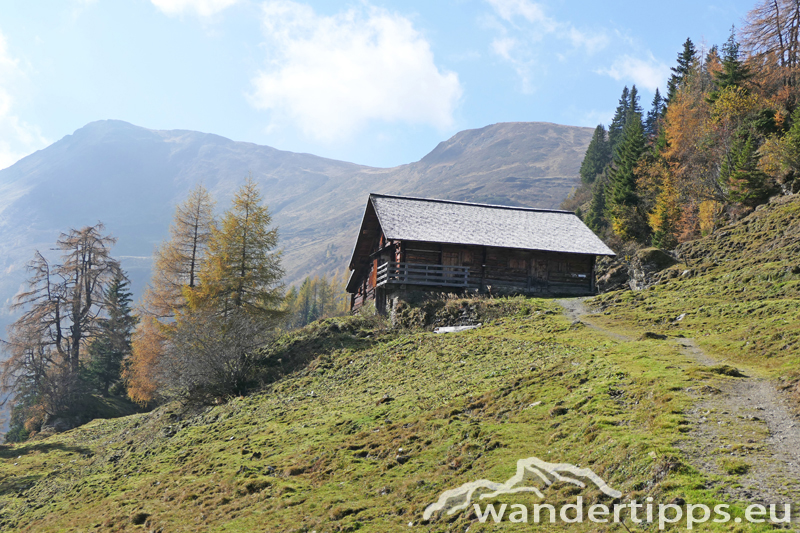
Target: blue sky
375 82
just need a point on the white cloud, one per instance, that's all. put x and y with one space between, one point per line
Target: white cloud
591 118
333 75
591 42
649 73
508 49
524 25
508 10
204 8
17 138
504 46
538 24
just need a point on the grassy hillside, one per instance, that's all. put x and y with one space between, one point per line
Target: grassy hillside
737 291
368 425
373 430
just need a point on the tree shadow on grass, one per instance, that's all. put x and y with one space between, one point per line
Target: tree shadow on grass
12 451
300 348
15 482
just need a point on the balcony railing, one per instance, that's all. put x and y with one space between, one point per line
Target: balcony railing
419 274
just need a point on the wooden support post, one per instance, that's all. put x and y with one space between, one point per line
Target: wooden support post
483 270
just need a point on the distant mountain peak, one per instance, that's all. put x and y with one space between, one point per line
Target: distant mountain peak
508 133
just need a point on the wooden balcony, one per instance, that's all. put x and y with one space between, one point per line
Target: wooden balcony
420 274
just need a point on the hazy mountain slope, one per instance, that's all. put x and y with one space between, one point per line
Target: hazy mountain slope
131 177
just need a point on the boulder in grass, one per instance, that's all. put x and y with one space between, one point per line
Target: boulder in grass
644 266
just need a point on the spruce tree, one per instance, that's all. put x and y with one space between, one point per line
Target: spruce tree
618 122
654 116
734 71
680 72
623 180
596 215
628 108
634 107
113 344
598 155
622 197
740 175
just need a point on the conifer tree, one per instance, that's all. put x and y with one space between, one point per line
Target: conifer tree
790 148
740 174
634 106
666 216
712 56
734 71
242 270
113 344
290 308
141 373
318 297
705 71
596 215
654 116
598 155
176 267
772 34
621 196
177 261
325 296
61 309
305 299
680 72
618 122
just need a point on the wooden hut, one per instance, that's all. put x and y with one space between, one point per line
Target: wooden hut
419 244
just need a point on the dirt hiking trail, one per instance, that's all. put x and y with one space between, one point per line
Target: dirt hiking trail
743 420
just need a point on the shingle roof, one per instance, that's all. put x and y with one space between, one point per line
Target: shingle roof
420 219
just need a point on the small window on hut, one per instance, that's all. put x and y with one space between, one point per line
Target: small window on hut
466 258
517 263
425 257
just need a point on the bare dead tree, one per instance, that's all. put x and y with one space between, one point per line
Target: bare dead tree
61 308
771 42
771 30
